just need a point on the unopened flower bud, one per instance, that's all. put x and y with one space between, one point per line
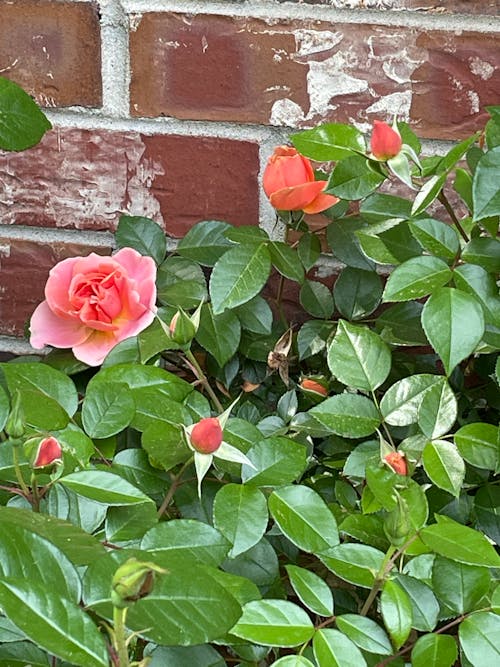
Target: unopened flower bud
397 462
43 452
14 426
132 581
181 328
385 142
206 435
310 386
397 523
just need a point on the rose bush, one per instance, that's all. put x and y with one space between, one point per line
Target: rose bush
245 482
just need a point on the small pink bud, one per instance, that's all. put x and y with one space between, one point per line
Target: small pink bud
312 385
173 323
49 452
385 142
397 462
206 436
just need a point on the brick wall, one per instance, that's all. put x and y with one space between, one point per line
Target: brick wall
170 108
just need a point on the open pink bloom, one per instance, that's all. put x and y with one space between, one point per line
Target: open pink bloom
289 183
385 142
94 302
49 452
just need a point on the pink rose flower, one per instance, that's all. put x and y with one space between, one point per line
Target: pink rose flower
385 142
94 302
49 452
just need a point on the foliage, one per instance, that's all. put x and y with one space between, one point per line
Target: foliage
351 513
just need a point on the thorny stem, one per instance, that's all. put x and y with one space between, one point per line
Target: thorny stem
119 637
173 487
203 379
449 209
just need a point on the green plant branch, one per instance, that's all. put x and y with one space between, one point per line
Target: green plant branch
379 580
19 475
203 380
176 481
119 636
449 209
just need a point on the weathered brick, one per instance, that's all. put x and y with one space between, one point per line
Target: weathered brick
300 73
84 179
431 6
24 268
52 49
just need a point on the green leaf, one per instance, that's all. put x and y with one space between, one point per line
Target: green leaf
82 512
286 260
477 281
428 193
424 606
129 522
4 407
454 324
357 292
416 278
400 324
365 633
348 415
274 623
329 141
182 541
381 206
186 656
479 636
292 661
240 514
435 236
23 123
358 564
137 376
401 402
219 334
312 337
309 250
479 444
278 460
461 543
165 445
108 408
316 299
444 466
438 410
485 185
303 516
256 316
397 614
104 487
358 357
344 243
181 283
205 242
259 564
354 178
434 650
389 242
239 275
334 649
483 251
311 590
153 406
142 234
20 654
56 624
470 583
487 509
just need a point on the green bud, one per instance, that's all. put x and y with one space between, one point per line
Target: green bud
14 426
397 523
182 329
132 581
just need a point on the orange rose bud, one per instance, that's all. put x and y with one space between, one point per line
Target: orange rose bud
385 142
311 385
206 436
290 185
397 462
49 452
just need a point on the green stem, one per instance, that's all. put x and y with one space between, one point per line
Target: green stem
34 494
379 580
120 638
173 487
384 425
19 475
449 209
203 379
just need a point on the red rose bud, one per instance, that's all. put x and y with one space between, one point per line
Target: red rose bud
206 436
313 386
385 142
289 183
397 462
49 452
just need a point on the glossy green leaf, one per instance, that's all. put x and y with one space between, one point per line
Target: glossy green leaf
277 460
424 605
309 250
485 188
205 242
381 206
357 292
428 193
470 583
479 444
103 486
137 376
435 236
416 278
400 324
181 283
108 408
444 466
438 410
334 649
303 516
255 316
219 334
4 407
396 609
344 243
23 122
312 338
401 402
274 623
354 178
461 543
479 636
22 653
240 514
239 275
365 633
186 656
316 299
389 242
292 661
358 357
165 445
259 564
286 261
311 590
434 650
487 510
63 503
454 324
483 251
358 564
129 522
329 141
348 415
142 234
55 623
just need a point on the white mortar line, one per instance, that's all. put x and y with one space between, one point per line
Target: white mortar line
262 9
115 65
19 346
51 235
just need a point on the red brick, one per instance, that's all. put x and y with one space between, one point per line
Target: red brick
84 179
303 73
52 49
24 268
432 6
